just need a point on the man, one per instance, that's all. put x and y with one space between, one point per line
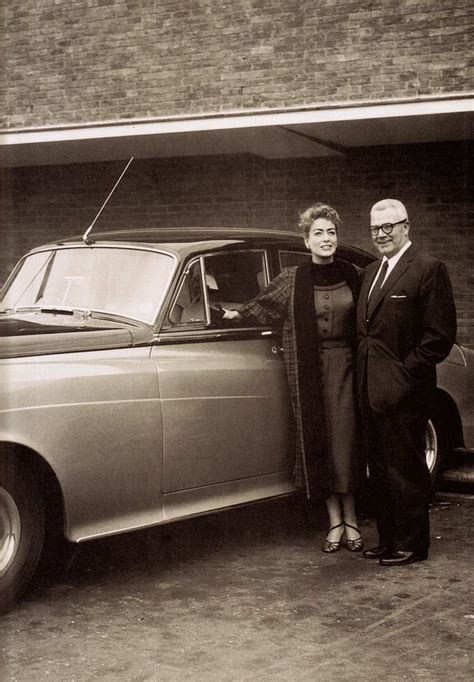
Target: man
406 325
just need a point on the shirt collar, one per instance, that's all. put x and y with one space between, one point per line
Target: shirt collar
394 259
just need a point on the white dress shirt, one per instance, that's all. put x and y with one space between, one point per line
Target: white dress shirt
391 264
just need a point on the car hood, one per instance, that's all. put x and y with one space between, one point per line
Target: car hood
46 333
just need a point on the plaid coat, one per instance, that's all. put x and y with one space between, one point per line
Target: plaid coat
289 301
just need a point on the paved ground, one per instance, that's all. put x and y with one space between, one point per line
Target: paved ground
247 595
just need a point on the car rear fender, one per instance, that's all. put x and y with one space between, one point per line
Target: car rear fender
448 419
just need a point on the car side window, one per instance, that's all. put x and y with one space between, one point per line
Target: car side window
189 305
233 278
289 259
230 278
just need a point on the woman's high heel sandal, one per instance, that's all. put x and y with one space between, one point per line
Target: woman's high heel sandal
354 545
331 547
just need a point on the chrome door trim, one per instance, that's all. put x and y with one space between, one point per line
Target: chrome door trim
199 335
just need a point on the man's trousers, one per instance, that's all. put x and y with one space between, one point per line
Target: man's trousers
399 477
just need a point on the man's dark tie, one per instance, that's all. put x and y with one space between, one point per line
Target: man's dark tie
374 295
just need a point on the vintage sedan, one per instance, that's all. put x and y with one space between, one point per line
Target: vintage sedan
127 402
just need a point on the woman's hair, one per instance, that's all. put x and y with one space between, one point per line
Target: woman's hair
316 211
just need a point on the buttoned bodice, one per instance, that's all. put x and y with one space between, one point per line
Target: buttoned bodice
334 306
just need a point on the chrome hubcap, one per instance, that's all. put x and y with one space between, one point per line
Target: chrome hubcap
431 446
10 529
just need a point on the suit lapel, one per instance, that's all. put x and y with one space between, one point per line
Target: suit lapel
393 277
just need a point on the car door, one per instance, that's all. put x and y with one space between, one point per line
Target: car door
223 389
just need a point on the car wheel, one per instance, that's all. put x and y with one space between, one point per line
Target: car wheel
435 446
22 523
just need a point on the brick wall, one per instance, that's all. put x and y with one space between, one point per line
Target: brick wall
76 61
46 203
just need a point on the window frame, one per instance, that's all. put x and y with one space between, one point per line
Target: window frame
208 324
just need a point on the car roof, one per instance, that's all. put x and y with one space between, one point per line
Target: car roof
158 236
186 241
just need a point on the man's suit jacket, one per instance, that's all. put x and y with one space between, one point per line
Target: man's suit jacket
411 329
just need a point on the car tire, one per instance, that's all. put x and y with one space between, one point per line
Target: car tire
22 525
435 448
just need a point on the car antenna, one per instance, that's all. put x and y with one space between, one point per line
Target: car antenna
85 236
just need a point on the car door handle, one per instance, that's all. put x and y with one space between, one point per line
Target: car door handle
277 349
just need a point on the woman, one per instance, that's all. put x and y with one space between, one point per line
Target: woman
316 302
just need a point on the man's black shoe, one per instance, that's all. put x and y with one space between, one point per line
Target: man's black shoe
400 558
376 552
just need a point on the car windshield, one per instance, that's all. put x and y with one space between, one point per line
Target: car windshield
116 280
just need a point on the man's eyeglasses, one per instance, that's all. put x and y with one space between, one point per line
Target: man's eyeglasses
386 227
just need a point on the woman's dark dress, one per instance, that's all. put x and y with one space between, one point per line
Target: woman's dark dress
334 305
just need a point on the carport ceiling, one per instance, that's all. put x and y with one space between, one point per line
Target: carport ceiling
271 135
